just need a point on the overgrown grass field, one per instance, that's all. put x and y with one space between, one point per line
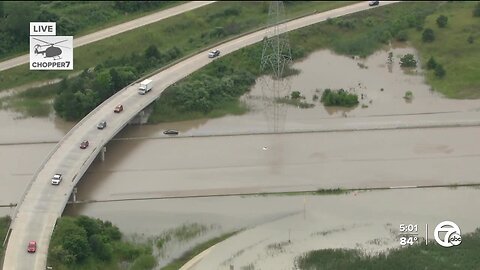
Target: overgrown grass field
451 48
190 32
419 256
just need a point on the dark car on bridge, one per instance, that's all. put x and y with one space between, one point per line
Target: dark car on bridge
102 125
118 109
373 3
84 144
32 247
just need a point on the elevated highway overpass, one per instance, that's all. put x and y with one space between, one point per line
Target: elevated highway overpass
37 212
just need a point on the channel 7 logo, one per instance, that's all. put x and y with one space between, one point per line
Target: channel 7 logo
452 235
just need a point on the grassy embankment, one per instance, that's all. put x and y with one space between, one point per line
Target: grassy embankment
357 34
78 18
420 256
189 32
187 256
460 59
4 224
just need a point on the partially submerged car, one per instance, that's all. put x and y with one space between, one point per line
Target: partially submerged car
171 132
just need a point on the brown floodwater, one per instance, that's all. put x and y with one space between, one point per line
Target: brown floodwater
18 164
15 128
261 163
324 69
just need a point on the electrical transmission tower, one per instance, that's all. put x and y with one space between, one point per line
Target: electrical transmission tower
276 58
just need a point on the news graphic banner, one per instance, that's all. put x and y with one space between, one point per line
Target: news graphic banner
47 50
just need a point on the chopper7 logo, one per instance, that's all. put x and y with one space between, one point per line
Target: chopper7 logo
53 50
48 51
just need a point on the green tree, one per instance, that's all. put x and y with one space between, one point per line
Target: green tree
76 244
116 80
152 52
111 231
428 35
431 63
476 10
70 242
100 249
442 21
66 27
402 35
47 16
103 84
17 22
173 53
90 225
440 71
65 105
2 10
408 60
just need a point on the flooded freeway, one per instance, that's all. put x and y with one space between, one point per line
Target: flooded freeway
144 163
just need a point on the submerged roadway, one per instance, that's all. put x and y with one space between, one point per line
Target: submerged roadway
42 203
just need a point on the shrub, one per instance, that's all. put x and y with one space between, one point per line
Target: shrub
152 52
408 60
440 71
338 98
431 64
408 95
402 35
442 21
470 39
428 35
295 95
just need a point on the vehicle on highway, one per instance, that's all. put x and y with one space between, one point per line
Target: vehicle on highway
118 108
84 144
56 179
102 125
32 247
373 3
213 53
145 86
171 132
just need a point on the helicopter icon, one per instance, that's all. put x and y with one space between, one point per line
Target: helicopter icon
52 51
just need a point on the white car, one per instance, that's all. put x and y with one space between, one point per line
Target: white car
56 179
214 53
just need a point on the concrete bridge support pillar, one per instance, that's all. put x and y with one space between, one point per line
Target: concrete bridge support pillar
74 194
102 153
